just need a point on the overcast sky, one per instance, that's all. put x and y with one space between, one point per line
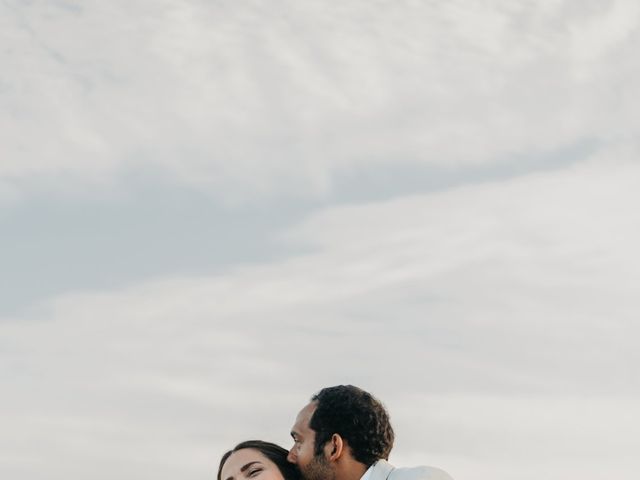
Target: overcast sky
211 210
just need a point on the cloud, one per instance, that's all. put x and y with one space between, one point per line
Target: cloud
247 102
496 436
487 312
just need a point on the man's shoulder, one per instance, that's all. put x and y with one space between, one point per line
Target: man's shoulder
417 473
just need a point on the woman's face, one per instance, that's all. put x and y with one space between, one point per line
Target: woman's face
248 464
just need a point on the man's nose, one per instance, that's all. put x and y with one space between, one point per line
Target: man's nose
291 457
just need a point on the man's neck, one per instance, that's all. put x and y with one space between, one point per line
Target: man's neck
352 471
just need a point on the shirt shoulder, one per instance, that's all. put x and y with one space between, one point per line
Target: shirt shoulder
419 473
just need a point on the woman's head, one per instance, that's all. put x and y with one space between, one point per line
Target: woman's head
257 460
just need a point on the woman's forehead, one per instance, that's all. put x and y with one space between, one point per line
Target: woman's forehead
239 459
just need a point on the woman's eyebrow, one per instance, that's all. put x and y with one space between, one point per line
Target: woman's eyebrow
244 468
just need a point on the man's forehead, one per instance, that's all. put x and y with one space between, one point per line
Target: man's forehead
304 416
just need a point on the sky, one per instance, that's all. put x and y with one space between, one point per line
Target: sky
211 210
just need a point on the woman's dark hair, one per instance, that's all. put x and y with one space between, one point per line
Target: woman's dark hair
273 452
355 415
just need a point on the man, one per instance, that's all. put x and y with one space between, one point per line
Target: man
344 434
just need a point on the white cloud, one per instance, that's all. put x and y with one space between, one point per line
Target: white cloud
248 102
600 34
488 436
499 316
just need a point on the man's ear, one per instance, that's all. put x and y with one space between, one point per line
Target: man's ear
334 447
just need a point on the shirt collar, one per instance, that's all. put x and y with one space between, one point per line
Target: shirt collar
367 474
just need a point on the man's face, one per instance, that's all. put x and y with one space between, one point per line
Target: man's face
311 466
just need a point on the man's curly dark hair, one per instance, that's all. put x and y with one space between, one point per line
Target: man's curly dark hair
358 417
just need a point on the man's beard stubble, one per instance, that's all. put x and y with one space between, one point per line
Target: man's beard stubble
318 469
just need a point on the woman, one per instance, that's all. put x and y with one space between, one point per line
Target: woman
257 460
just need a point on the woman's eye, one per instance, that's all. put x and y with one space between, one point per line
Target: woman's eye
253 473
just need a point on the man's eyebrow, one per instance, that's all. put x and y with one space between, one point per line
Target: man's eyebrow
244 468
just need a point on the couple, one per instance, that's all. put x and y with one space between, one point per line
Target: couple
342 434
